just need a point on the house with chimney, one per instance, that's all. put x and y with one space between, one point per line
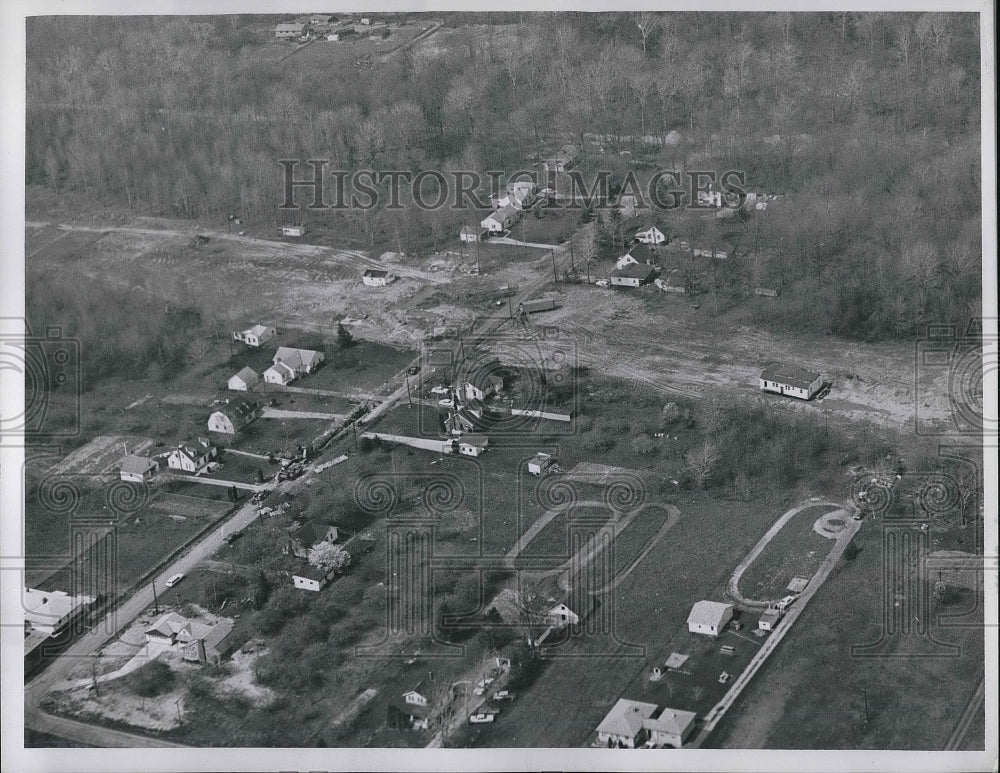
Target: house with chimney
257 335
290 363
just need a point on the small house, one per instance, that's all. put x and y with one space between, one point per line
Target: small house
540 463
561 615
255 336
311 578
626 260
192 457
623 725
302 539
473 445
412 709
471 233
710 196
52 612
244 380
709 618
791 381
299 361
482 385
769 620
138 469
293 230
234 417
632 276
669 727
279 373
651 235
376 277
500 221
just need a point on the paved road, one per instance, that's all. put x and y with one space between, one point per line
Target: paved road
87 645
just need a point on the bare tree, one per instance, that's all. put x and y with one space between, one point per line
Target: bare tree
648 23
701 462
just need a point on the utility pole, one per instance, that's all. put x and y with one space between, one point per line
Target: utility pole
477 256
865 691
409 400
555 276
156 603
572 257
354 424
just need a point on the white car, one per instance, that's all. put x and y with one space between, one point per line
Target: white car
601 283
481 718
174 580
447 402
785 602
440 390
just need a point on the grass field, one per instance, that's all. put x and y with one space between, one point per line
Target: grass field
812 702
795 551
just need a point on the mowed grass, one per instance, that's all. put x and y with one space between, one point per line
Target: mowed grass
795 551
651 607
814 689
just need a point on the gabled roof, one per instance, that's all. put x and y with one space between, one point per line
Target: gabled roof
502 214
634 271
790 375
310 532
169 625
257 330
310 572
278 367
246 374
471 229
642 252
479 441
375 272
626 718
708 613
138 465
239 412
193 450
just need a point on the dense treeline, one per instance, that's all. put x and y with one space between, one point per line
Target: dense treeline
868 122
120 334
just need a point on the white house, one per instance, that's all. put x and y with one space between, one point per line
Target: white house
376 277
540 463
472 445
709 617
256 335
279 373
414 707
561 615
311 578
499 221
192 457
563 160
290 363
651 235
482 385
626 260
623 725
293 230
52 612
138 469
632 276
244 380
470 233
232 418
791 381
711 197
671 727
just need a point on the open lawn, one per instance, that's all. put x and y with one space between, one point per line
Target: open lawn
795 551
801 701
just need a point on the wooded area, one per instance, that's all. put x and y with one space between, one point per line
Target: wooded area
869 123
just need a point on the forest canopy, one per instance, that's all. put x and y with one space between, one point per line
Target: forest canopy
868 123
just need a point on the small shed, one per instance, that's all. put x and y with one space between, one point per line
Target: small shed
791 381
138 469
471 233
769 620
376 277
540 463
244 380
293 230
473 445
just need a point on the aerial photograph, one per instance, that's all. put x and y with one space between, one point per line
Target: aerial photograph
502 381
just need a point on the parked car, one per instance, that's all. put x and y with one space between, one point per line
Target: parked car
447 402
785 602
174 580
231 538
504 695
724 677
483 717
601 283
413 370
440 390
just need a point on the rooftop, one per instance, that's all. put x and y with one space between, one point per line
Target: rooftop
626 717
137 464
790 375
708 612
